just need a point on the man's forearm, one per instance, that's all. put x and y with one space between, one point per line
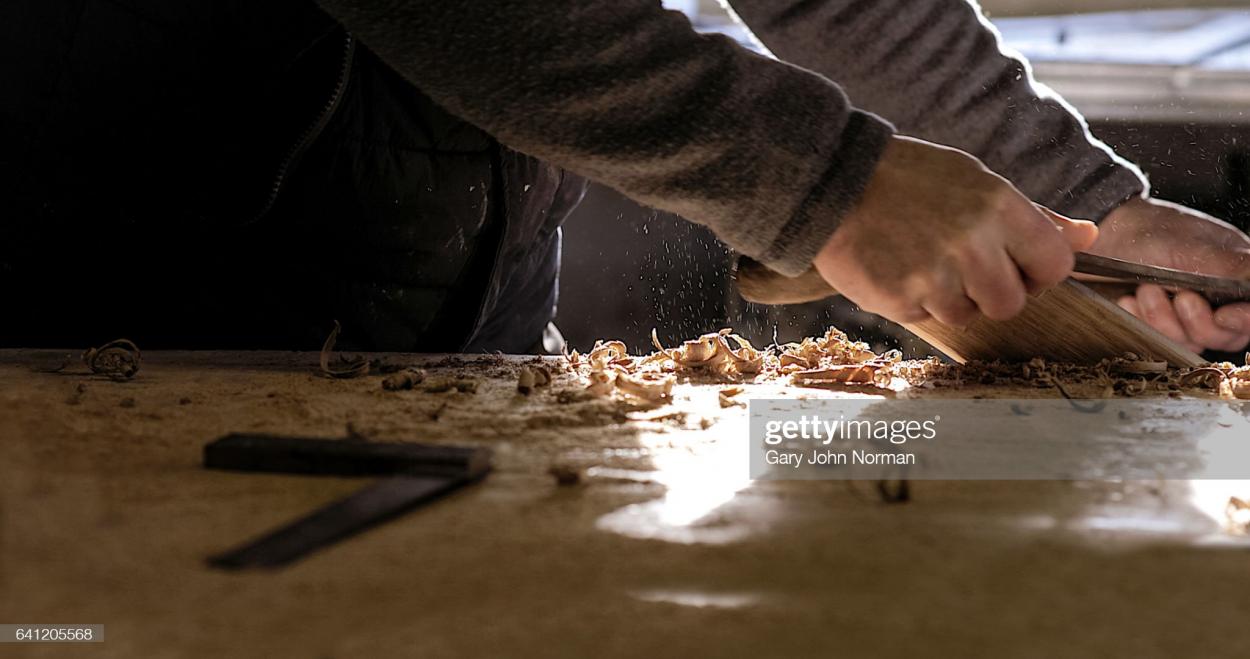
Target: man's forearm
935 69
768 155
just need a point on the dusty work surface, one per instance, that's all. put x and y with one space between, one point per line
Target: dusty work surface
662 549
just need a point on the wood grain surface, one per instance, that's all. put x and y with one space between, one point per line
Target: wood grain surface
1068 323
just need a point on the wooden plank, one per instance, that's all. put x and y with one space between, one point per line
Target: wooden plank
1068 323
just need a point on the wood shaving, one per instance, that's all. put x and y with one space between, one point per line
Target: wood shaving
834 360
403 380
1237 516
1141 367
654 387
602 383
710 353
118 360
345 368
525 381
531 377
870 373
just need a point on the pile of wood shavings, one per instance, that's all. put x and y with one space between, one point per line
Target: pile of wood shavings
725 356
834 360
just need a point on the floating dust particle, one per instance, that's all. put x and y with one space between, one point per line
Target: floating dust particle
118 360
346 368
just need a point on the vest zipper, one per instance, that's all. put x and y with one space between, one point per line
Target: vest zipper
310 133
500 180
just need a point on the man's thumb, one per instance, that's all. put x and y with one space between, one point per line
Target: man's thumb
1080 234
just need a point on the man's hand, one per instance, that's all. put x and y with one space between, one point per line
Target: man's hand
1159 233
937 234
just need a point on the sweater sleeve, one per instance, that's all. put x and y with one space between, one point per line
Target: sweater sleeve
768 155
938 71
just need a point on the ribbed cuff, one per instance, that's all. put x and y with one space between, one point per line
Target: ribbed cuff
1101 192
832 197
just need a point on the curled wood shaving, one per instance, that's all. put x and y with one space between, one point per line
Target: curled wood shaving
834 348
1237 516
1206 377
531 377
119 359
607 354
726 397
572 359
1141 367
835 360
848 374
525 381
746 359
347 368
712 353
653 387
601 382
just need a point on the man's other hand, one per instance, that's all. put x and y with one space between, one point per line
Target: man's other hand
1160 233
938 234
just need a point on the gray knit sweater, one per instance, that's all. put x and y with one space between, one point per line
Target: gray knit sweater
767 154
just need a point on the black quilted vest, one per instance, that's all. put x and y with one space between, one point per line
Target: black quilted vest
240 175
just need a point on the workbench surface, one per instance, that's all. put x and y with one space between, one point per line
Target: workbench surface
664 548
